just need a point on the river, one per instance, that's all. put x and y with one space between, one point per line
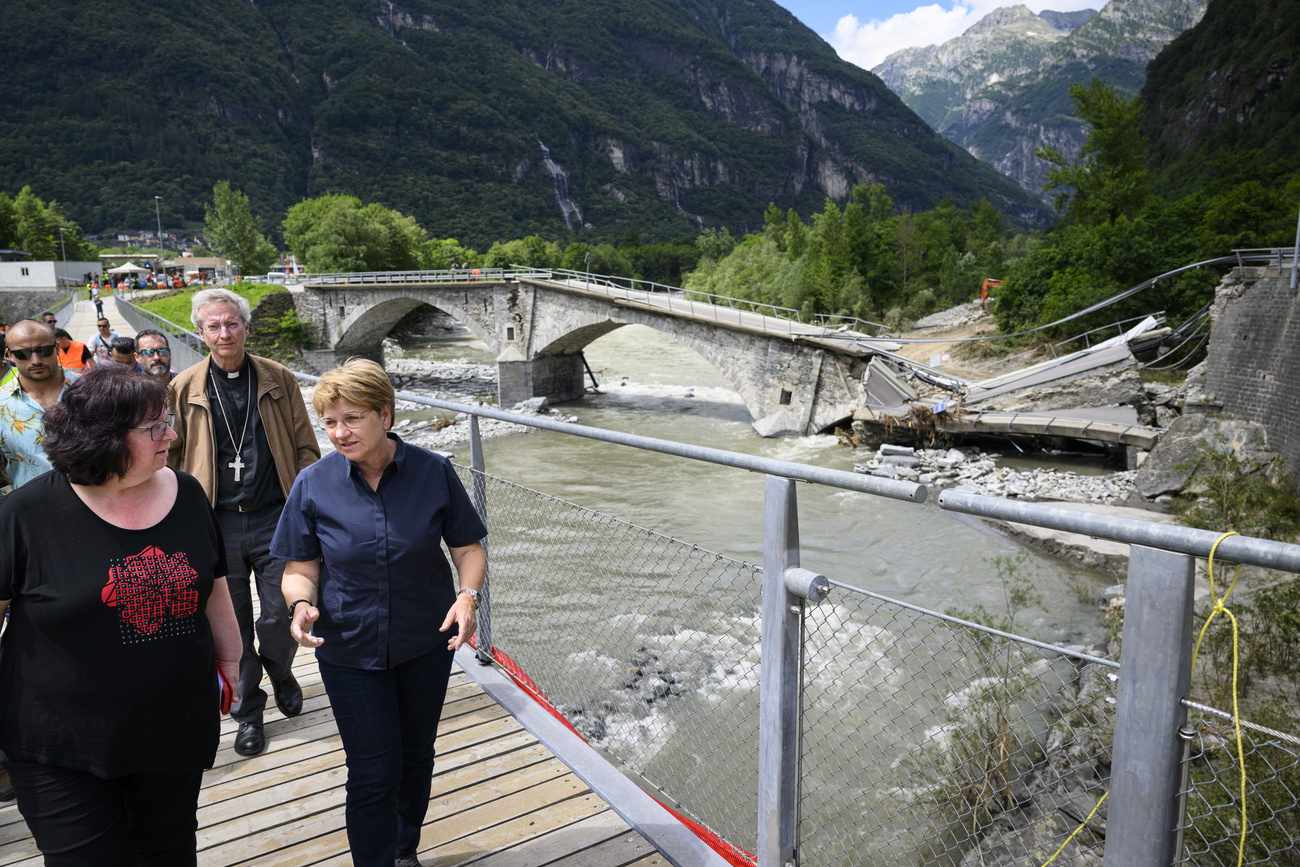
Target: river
654 386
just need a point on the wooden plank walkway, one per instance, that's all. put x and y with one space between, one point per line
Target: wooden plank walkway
499 798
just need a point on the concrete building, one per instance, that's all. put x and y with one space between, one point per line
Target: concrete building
29 288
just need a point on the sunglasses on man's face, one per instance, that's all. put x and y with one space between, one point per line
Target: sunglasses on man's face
150 353
43 351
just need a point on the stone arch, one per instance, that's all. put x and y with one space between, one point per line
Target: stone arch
362 333
723 359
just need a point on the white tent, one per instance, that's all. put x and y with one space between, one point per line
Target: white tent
129 268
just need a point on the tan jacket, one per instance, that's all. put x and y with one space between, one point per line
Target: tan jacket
284 415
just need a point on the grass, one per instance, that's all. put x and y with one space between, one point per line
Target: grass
1163 377
176 308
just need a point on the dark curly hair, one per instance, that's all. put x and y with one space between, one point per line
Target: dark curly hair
85 432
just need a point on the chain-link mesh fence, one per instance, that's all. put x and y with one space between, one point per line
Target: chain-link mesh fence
1212 823
648 645
924 738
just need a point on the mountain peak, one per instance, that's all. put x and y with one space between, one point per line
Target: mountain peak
1001 89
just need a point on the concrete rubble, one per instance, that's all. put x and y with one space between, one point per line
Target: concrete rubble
949 468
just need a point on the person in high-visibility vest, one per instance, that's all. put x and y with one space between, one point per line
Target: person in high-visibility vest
73 354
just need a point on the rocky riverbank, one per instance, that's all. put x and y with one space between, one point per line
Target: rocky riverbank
950 468
459 382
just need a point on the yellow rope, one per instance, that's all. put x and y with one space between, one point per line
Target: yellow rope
1078 829
1219 607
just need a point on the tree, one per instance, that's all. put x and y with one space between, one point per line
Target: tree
233 232
338 234
1109 177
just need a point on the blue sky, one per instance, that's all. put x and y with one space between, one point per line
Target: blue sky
866 31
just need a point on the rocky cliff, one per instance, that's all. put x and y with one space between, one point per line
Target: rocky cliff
1001 89
485 121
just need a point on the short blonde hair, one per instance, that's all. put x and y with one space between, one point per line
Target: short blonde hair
208 297
357 380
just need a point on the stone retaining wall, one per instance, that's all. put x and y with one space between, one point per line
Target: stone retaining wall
1254 356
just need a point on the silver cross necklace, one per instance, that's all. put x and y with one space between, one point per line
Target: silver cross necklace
238 463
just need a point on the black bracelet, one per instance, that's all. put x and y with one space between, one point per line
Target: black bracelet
295 603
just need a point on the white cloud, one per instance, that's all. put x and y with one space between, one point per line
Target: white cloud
868 44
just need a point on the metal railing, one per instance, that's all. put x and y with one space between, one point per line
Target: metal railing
1119 327
885 732
186 346
454 275
63 310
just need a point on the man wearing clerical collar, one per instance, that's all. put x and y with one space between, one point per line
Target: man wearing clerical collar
243 432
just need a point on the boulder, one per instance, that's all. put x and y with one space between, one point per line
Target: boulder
781 423
533 404
1178 455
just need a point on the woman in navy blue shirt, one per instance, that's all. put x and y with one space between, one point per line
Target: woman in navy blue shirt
362 531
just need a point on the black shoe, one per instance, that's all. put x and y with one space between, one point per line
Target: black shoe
288 696
250 741
7 792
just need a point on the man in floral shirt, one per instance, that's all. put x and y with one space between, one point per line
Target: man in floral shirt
38 385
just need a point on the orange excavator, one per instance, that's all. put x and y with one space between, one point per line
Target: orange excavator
989 283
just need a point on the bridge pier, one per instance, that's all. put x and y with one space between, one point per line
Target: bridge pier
554 377
322 360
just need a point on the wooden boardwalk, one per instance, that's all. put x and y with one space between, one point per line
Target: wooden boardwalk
499 799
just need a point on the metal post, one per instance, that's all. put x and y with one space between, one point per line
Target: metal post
1146 765
479 495
1295 253
778 700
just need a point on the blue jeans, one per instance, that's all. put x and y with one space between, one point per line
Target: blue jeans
248 549
388 721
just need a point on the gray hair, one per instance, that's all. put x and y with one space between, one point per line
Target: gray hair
209 297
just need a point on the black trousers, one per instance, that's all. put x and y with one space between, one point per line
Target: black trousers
248 550
81 820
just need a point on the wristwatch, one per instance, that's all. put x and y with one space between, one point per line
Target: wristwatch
473 594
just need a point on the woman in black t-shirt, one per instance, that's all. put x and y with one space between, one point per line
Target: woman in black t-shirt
109 666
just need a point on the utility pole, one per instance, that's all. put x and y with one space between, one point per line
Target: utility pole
158 214
64 247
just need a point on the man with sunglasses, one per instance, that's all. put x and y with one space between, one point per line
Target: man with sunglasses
155 353
102 343
38 384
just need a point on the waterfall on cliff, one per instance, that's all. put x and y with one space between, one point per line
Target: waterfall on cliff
560 181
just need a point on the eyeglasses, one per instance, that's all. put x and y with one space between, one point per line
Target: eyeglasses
351 421
43 351
150 353
215 328
159 430
50 321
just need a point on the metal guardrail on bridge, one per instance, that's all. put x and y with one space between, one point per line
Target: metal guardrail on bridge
885 732
186 346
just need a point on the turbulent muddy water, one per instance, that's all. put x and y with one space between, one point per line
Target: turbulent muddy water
590 628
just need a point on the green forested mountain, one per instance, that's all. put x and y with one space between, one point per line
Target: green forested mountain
1230 85
483 120
1001 90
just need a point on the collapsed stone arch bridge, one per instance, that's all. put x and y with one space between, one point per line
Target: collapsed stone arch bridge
793 378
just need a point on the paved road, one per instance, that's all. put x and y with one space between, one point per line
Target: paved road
82 324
